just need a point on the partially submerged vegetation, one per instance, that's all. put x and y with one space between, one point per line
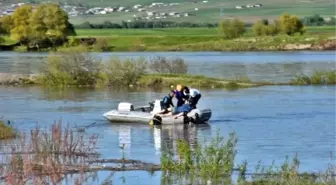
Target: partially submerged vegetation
214 163
317 78
63 154
75 68
59 154
6 132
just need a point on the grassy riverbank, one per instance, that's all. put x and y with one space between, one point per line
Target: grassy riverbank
77 68
206 39
194 39
142 81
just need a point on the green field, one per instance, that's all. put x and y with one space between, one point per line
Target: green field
206 32
198 39
212 11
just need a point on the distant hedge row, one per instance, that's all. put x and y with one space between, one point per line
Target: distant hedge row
317 20
147 24
143 24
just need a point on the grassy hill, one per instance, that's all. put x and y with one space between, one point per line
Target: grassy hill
212 11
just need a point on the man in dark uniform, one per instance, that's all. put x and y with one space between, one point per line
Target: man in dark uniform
167 102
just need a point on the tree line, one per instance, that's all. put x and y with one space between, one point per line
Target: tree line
46 25
143 24
317 20
287 24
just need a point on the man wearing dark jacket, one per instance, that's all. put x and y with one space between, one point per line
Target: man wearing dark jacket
167 102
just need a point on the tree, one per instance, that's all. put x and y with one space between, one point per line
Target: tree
47 25
315 20
21 29
57 23
38 35
6 24
232 29
291 24
263 27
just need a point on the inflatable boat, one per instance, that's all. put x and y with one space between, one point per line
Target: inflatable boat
127 113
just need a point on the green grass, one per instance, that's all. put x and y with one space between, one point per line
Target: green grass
8 41
148 32
199 39
318 78
168 80
179 31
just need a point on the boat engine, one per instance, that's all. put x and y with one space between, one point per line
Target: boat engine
125 106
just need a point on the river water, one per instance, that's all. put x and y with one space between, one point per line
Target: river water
258 66
270 122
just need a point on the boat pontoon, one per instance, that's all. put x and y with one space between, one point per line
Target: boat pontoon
126 112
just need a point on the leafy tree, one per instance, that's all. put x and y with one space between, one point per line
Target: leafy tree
38 35
56 22
47 25
291 24
21 29
6 24
263 27
315 20
2 40
232 29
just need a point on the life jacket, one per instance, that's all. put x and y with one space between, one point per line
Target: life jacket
166 102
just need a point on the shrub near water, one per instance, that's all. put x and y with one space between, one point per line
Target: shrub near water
125 72
73 68
211 162
6 132
163 65
318 78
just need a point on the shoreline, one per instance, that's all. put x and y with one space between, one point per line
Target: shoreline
145 81
161 81
189 44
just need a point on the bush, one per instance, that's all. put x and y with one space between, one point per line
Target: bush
73 68
315 20
6 132
291 24
175 66
101 45
125 72
232 29
263 27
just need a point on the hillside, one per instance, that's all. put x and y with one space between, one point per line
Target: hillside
211 11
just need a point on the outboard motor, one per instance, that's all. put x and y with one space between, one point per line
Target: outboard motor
157 107
125 106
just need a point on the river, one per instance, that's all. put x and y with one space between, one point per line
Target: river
258 66
271 121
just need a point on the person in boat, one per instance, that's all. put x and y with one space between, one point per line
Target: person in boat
179 96
178 111
192 95
167 103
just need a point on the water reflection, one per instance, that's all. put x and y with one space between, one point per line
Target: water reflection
82 94
166 136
